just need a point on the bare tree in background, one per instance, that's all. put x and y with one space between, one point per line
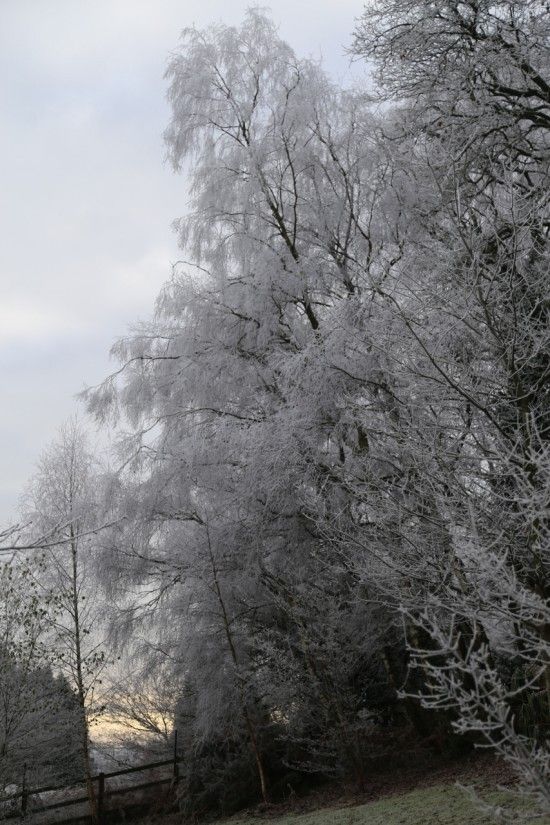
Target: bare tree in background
62 502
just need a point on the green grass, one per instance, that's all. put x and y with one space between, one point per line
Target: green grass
439 805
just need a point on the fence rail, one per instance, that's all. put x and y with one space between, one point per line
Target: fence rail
101 794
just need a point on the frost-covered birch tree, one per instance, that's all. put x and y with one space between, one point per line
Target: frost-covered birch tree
236 389
472 126
63 502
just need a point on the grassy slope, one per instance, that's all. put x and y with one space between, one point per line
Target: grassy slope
438 805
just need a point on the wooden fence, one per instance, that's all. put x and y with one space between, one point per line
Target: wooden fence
26 795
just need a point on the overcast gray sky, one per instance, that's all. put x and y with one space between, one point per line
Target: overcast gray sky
86 201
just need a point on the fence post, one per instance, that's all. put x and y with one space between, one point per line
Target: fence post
24 794
176 764
100 798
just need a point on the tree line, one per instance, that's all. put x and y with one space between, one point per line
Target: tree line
325 523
